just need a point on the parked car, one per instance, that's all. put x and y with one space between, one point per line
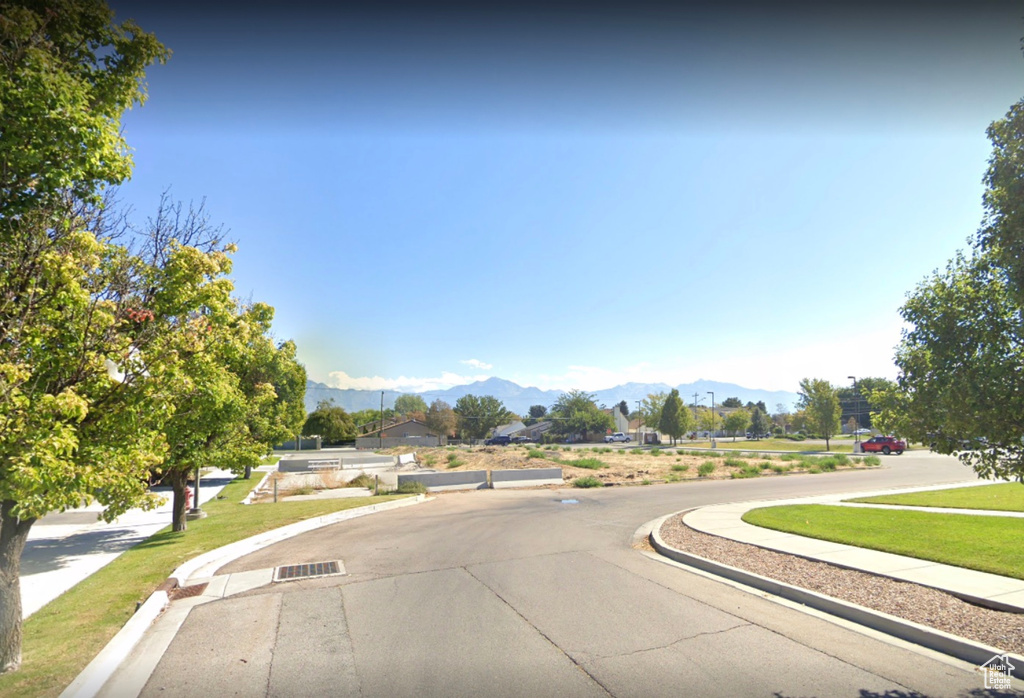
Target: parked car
498 441
522 440
885 444
617 436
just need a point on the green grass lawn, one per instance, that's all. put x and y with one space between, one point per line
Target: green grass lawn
985 543
773 445
1007 496
63 637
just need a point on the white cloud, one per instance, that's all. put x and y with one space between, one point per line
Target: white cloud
340 379
477 364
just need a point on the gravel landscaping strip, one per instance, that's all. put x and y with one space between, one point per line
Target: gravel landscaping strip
913 602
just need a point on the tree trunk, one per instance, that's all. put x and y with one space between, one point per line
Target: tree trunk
248 472
13 534
179 481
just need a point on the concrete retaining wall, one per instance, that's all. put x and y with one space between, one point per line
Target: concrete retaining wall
436 482
533 477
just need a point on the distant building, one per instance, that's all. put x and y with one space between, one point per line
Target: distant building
407 433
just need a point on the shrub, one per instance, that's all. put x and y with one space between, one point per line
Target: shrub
680 468
746 471
588 463
645 481
535 453
706 468
588 481
814 470
827 464
765 465
872 460
672 477
841 459
779 469
411 487
791 456
429 460
361 480
734 462
655 451
566 448
453 460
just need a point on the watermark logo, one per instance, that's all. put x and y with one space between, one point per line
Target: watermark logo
998 672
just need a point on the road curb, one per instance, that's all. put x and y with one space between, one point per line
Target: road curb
208 563
961 648
98 672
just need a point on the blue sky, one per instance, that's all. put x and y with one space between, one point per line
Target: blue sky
580 197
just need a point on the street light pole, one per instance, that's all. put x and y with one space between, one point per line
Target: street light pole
712 394
380 438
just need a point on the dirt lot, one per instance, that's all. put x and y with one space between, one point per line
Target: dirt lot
620 466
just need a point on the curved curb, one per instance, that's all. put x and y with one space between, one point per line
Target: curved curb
208 563
961 648
98 672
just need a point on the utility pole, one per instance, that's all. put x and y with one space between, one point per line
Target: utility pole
380 433
712 394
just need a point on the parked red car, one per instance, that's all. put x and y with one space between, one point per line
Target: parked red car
885 444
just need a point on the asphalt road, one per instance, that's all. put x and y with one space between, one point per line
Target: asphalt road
518 593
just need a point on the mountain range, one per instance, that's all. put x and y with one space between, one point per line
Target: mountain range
519 399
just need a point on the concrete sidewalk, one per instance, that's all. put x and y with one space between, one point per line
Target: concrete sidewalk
66 547
994 591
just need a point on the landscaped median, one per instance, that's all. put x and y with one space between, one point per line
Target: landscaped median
62 638
980 602
984 543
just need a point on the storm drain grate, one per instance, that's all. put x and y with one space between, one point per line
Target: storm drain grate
286 573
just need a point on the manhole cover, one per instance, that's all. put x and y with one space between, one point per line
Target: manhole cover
286 573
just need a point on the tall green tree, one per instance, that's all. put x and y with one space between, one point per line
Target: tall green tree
731 402
759 422
576 413
330 422
960 387
820 402
276 366
650 409
368 420
736 421
676 418
409 403
67 431
960 381
441 419
1001 235
477 416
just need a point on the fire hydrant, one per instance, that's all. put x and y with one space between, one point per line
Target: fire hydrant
188 498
